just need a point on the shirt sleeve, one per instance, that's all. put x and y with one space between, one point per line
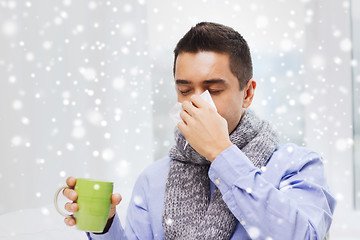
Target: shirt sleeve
137 219
116 231
299 206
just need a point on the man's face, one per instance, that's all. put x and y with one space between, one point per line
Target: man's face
197 72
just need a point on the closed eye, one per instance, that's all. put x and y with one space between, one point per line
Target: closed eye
184 92
215 91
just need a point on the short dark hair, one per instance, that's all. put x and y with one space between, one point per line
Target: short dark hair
208 36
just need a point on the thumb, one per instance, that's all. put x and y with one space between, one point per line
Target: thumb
116 199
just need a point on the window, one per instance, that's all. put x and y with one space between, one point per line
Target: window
355 28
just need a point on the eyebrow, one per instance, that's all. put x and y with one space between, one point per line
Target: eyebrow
209 81
216 80
181 81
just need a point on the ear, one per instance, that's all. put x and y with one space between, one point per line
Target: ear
249 92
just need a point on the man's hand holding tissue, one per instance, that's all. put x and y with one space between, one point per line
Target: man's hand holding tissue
204 129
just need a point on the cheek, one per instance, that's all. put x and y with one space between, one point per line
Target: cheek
228 109
231 111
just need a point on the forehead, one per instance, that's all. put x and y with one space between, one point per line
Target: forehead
202 66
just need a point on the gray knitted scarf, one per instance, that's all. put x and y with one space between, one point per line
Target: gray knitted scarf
189 210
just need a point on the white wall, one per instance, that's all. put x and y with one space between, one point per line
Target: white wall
75 97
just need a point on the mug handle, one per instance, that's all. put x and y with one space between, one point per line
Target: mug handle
56 202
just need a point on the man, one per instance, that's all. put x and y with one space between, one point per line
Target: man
233 180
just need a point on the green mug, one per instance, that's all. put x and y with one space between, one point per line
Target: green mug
94 202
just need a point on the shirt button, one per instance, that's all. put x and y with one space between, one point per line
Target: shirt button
217 181
243 222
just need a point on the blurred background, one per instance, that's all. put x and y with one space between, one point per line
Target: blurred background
86 87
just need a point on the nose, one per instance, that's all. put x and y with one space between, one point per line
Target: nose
195 92
198 91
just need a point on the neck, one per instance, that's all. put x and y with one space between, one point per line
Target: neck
241 117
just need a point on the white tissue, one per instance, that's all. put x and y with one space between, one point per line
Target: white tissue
175 113
177 108
207 97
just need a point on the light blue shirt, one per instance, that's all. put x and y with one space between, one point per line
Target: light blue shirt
287 199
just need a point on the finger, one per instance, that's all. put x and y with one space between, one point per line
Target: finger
185 117
182 127
71 207
198 101
189 108
71 181
70 221
70 194
116 199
